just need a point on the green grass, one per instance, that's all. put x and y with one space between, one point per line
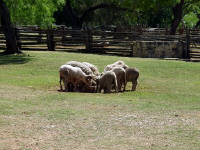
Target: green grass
162 114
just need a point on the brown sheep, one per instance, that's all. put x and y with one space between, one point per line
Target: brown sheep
132 75
106 82
121 77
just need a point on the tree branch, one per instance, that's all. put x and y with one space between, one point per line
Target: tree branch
178 14
100 6
69 9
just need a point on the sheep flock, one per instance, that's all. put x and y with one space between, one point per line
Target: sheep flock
85 77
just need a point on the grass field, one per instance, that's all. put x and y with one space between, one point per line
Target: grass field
164 112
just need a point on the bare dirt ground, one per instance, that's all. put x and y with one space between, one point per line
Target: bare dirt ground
109 128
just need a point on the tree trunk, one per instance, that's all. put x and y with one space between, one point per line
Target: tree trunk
76 22
9 31
177 11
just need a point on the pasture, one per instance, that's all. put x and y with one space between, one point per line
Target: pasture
163 113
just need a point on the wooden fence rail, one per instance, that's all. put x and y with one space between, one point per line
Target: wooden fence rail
113 42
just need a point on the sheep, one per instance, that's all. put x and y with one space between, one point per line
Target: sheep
106 82
132 75
82 66
74 76
121 77
118 63
93 68
88 69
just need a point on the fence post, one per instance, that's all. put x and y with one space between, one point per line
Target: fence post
188 43
39 36
63 34
89 40
17 35
50 40
131 52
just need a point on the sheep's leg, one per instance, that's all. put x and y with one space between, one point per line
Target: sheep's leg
125 83
124 86
96 89
99 89
119 86
105 90
134 84
115 86
66 85
61 84
69 87
109 88
76 87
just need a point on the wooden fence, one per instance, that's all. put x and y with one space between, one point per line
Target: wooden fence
117 42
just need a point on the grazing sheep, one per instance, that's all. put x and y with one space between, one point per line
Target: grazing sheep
121 77
118 63
82 66
93 68
132 75
74 76
106 82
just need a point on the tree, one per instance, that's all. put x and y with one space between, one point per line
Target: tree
185 11
33 12
192 13
9 31
75 13
178 14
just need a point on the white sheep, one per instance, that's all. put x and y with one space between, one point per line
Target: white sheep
118 63
132 75
82 66
93 68
106 82
74 76
121 77
88 69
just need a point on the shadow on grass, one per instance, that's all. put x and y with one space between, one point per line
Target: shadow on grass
14 59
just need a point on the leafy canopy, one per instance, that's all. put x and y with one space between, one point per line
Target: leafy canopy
149 12
33 12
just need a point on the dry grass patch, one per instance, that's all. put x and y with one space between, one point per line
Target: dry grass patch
112 130
19 93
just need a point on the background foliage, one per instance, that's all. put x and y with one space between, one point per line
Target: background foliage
149 12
